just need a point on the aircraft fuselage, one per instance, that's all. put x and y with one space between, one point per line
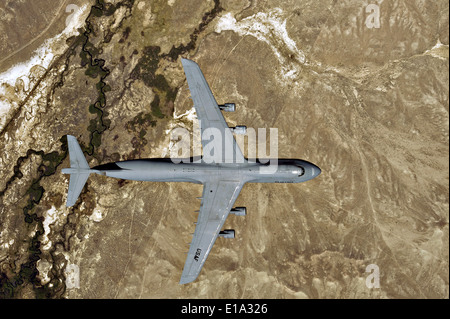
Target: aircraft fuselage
165 170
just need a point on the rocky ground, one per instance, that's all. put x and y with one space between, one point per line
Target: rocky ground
367 104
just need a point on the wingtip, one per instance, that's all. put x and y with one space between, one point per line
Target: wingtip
187 279
187 62
69 204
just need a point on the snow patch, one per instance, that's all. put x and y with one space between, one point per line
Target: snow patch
189 114
435 51
43 56
269 28
97 216
50 217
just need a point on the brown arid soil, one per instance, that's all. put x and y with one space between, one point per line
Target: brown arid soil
367 103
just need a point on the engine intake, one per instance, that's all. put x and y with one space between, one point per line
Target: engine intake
239 211
228 107
227 233
240 129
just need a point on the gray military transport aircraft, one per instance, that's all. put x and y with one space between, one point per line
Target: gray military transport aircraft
223 173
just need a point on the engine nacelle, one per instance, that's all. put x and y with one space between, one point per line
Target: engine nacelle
239 211
228 107
240 129
227 233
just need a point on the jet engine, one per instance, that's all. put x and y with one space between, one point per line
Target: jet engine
239 211
240 129
228 107
227 233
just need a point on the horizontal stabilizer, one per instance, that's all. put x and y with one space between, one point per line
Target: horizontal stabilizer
79 171
76 184
77 159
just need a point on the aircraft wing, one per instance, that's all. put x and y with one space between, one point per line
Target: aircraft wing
217 200
219 145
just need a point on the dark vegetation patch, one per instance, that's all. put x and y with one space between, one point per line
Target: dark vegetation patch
138 128
12 282
147 66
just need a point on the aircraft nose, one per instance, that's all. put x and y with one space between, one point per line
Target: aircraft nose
315 171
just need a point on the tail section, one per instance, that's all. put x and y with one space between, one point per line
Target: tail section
79 171
77 159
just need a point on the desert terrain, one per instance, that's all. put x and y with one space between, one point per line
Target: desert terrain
360 88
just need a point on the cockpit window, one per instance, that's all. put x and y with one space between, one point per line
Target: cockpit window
300 170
